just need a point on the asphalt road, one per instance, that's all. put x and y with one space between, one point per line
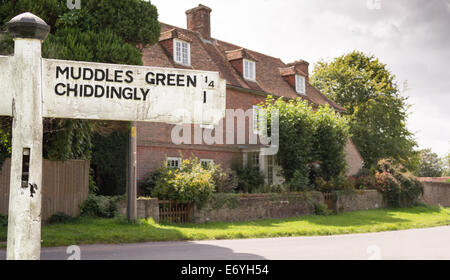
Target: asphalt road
429 243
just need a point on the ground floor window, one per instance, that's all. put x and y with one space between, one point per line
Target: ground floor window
206 163
173 162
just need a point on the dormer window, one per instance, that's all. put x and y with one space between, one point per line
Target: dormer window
249 70
182 52
300 84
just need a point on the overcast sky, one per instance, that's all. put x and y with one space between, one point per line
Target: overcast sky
411 36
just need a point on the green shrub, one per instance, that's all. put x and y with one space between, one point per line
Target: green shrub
60 218
399 188
322 210
225 181
282 188
99 206
300 181
307 135
191 183
149 182
339 183
249 178
447 181
3 220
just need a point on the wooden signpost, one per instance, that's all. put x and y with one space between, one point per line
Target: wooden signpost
33 88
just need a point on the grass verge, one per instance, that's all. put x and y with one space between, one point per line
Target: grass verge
89 230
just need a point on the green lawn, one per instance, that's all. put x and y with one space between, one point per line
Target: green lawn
97 230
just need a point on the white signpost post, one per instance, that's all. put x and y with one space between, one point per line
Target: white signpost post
33 88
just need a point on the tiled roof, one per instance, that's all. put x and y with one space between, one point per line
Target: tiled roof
173 33
239 54
215 55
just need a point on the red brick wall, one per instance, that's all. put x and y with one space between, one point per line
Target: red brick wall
238 65
155 144
168 46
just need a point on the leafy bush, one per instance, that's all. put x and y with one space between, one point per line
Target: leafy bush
149 182
191 183
339 183
99 206
447 181
3 220
60 218
273 189
399 188
299 182
308 135
225 181
249 178
322 209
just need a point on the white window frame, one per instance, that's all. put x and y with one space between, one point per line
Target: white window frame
178 52
170 160
249 69
300 84
208 162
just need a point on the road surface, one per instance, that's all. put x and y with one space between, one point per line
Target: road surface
429 243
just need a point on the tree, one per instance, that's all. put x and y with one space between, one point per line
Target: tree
429 164
377 112
446 165
101 31
308 136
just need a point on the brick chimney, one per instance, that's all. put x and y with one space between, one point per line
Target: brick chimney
199 20
301 66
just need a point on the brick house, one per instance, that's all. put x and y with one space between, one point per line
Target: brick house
250 76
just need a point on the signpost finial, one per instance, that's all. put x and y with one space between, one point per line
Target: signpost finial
27 25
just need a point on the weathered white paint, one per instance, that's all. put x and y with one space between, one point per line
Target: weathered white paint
170 104
24 223
5 86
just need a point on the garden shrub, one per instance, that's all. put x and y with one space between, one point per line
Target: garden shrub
300 182
308 135
191 183
149 182
273 189
399 188
60 218
99 206
225 181
249 178
322 210
339 183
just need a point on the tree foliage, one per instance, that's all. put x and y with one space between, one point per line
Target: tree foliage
308 136
377 112
101 31
429 164
446 164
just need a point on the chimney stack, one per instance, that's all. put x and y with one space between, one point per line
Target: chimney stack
199 20
302 66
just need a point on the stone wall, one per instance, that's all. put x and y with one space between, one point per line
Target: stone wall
266 206
359 200
260 206
146 208
436 193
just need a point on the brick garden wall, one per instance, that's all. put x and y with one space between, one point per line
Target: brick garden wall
261 206
361 200
436 193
